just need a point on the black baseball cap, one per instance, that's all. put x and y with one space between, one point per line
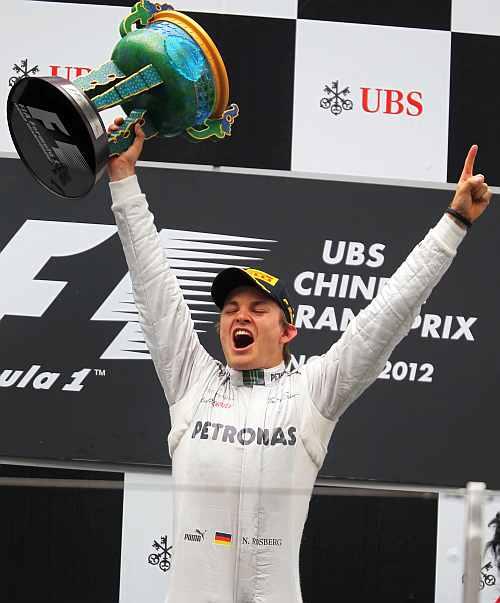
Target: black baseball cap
231 278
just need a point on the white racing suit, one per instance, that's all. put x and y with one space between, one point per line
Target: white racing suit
246 446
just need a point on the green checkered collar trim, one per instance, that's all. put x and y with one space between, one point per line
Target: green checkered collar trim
253 377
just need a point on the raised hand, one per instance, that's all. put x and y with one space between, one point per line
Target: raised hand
122 166
472 196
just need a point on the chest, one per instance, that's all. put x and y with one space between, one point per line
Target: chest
244 416
242 430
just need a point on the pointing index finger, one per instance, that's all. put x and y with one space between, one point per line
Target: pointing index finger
468 170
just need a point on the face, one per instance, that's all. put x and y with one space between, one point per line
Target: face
252 330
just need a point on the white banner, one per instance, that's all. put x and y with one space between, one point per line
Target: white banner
147 537
450 552
371 101
85 38
480 17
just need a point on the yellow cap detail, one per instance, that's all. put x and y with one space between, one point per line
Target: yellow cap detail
290 309
263 276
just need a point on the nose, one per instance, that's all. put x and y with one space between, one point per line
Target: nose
242 315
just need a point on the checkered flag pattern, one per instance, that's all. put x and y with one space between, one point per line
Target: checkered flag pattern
363 89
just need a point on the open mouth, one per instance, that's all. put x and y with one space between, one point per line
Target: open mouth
242 339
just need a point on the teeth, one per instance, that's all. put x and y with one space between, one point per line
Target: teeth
242 332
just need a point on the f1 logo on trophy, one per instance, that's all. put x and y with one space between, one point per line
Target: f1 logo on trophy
165 72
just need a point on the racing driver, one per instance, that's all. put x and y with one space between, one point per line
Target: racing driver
247 439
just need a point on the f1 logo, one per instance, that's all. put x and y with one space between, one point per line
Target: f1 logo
48 119
38 241
29 250
47 128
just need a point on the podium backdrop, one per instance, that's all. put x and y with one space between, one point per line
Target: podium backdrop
76 381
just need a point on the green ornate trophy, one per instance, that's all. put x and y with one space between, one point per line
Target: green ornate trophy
167 75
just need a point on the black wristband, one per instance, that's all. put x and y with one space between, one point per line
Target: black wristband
459 217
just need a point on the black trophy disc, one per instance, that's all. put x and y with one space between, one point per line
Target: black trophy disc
58 134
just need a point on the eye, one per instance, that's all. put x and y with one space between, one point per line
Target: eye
260 310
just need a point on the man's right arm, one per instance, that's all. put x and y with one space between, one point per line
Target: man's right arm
163 313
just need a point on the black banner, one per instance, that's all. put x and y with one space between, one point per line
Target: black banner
75 378
76 532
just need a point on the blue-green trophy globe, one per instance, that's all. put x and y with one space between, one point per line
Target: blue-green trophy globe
165 72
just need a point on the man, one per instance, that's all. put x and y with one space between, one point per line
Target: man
247 440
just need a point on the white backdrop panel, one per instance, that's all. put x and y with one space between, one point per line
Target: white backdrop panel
55 34
258 8
480 16
389 142
450 551
147 517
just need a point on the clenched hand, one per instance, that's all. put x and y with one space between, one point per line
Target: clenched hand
123 165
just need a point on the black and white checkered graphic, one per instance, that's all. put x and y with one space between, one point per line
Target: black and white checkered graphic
416 80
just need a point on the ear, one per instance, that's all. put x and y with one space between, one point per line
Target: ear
289 333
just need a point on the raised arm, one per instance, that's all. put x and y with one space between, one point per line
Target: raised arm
164 315
338 377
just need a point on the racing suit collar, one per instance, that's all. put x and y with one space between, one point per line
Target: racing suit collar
256 376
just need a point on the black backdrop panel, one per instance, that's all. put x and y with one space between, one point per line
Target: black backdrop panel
363 548
434 421
385 12
58 543
259 54
472 55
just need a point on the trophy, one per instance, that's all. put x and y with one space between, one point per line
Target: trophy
167 75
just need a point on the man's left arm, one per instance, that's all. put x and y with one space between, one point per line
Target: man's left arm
338 377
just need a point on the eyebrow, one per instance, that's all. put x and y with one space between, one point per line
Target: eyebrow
257 302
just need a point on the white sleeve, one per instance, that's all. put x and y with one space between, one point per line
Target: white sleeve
338 377
164 316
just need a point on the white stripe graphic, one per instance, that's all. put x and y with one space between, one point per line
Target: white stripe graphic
195 258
